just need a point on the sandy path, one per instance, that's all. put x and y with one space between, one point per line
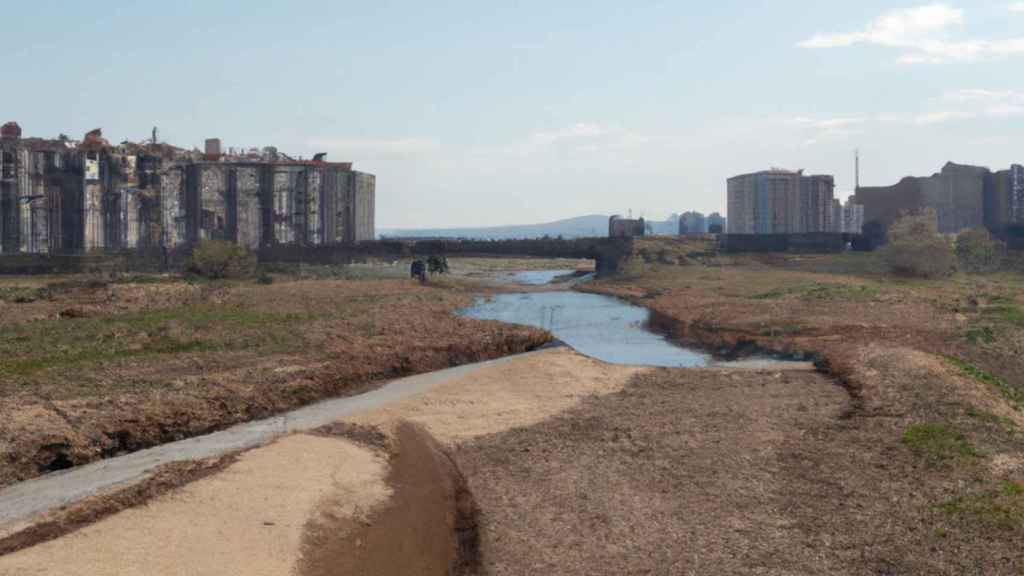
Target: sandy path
249 519
520 392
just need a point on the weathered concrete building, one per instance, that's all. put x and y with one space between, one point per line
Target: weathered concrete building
619 227
65 196
779 202
962 196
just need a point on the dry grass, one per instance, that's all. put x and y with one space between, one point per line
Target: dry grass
98 368
934 370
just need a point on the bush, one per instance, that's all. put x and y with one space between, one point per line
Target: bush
215 259
917 249
977 251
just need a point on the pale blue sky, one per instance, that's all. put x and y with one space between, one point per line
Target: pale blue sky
479 113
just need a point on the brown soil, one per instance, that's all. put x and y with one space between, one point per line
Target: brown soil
148 364
716 472
428 527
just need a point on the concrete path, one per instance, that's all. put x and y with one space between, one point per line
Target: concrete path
22 502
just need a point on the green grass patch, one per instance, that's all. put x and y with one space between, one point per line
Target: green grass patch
1002 507
990 418
21 295
38 346
1007 312
820 291
1016 397
980 335
938 443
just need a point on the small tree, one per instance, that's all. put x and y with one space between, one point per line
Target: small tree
917 249
217 259
977 251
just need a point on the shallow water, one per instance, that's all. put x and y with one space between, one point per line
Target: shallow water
601 327
535 277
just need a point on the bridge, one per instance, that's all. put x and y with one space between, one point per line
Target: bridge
607 253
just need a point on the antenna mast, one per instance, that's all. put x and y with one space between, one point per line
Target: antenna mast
856 170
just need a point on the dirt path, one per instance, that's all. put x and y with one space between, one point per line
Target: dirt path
217 525
249 519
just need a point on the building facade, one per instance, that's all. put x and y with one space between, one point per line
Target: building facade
72 197
692 224
779 202
716 223
619 227
962 196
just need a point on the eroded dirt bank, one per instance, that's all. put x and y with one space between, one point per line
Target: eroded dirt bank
428 527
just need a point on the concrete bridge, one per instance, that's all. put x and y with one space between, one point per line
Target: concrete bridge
608 253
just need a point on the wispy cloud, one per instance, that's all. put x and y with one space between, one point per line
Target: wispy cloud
922 33
1016 7
814 130
970 104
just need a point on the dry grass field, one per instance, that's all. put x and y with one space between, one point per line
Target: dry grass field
94 367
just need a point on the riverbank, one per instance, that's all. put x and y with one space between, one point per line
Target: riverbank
922 471
96 367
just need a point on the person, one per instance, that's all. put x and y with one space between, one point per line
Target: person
418 270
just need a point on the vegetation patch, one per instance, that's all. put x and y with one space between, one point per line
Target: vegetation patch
1001 507
989 417
822 291
938 443
980 335
200 328
21 295
1008 312
1016 397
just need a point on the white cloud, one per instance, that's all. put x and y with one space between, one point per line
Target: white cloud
815 130
922 33
1016 7
970 104
894 28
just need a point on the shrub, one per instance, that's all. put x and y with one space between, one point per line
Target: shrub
917 249
217 259
977 251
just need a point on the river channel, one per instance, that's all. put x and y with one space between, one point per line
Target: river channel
602 327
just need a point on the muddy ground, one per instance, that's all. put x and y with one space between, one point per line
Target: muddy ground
95 367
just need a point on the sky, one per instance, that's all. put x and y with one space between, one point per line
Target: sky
491 113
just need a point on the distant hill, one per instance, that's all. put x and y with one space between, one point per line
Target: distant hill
593 225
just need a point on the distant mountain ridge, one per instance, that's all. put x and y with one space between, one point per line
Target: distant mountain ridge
592 225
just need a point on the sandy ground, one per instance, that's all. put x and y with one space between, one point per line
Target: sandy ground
521 392
249 519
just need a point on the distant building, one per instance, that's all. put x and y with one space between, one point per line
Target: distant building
692 224
62 196
962 196
717 222
1006 205
852 217
779 202
619 227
